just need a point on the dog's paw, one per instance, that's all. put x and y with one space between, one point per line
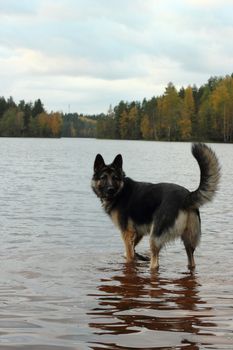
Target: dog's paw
142 257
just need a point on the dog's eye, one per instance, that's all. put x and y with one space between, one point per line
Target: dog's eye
115 178
103 177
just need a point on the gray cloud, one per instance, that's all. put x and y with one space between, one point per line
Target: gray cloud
92 53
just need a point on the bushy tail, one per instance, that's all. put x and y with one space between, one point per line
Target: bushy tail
209 178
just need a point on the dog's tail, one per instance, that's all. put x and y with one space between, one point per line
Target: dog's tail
209 178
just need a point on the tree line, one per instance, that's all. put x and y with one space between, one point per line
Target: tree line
28 119
191 113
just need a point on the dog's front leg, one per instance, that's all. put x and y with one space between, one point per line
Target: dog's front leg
129 242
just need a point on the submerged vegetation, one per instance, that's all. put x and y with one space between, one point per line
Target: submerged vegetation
204 114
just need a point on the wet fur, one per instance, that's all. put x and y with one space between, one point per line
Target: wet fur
164 211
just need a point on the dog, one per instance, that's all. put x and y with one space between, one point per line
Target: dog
164 211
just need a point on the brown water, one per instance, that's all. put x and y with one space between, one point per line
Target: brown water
63 280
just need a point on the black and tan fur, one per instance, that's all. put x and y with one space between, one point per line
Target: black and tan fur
164 211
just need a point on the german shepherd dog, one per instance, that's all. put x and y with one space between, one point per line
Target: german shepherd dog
164 211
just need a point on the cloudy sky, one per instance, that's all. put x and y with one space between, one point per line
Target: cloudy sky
84 55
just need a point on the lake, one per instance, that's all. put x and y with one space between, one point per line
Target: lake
64 283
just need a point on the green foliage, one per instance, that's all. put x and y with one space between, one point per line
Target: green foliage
3 106
201 114
75 125
27 119
11 123
37 108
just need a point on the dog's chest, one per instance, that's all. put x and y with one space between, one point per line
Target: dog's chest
115 218
142 230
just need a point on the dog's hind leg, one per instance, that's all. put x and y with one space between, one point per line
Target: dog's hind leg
154 260
191 237
190 251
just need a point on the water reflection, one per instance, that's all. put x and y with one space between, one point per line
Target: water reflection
131 301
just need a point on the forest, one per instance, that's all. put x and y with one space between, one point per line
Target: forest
187 114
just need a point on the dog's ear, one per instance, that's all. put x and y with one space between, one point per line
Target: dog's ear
118 161
99 162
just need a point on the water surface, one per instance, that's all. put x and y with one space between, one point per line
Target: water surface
64 283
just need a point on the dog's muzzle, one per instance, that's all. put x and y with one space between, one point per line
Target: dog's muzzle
110 191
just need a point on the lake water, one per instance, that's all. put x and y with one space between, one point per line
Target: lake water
64 283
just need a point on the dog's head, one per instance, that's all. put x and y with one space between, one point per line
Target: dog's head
108 180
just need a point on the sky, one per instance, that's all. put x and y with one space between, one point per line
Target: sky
85 55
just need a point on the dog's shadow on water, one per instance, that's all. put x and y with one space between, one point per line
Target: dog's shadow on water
131 300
